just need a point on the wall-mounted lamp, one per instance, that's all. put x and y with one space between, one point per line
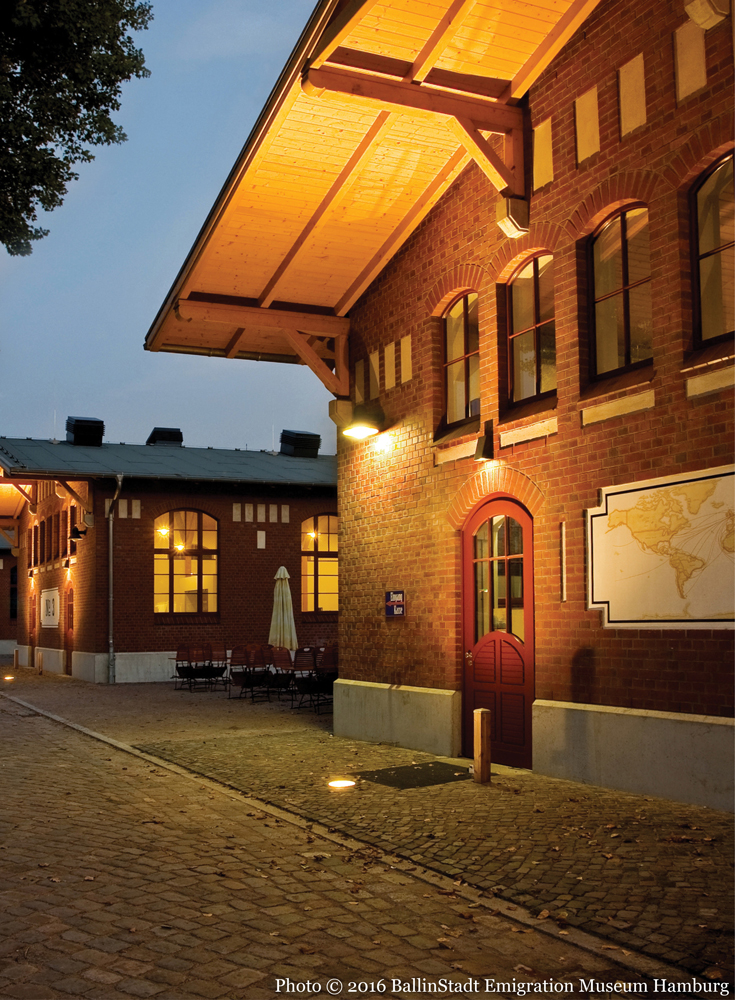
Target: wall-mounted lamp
76 535
363 424
66 564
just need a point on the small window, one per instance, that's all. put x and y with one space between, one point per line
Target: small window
462 360
622 321
185 563
13 593
531 332
714 254
319 563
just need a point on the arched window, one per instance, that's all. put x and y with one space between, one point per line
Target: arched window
319 563
185 562
621 292
531 332
714 253
462 360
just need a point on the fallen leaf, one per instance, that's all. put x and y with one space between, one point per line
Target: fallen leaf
43 864
445 943
607 855
543 915
89 878
610 947
563 932
307 949
713 973
523 968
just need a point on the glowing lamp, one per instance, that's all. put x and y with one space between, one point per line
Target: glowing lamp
342 783
362 425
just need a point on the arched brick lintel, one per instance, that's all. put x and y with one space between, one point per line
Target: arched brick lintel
494 478
460 279
612 194
545 237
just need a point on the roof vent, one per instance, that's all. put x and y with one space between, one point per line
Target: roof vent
85 431
168 437
300 444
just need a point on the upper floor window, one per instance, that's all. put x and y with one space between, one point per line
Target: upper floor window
621 285
185 562
531 336
319 563
462 360
715 253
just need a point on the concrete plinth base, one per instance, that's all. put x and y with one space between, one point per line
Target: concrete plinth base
686 758
7 647
418 718
51 661
130 668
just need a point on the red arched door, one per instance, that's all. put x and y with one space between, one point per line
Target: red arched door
497 559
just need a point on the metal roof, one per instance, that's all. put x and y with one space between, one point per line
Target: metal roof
28 457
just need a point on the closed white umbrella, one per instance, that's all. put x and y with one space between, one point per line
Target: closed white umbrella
283 627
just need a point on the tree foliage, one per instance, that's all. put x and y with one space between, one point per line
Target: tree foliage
62 63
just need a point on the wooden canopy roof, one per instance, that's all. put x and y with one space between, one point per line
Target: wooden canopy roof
380 107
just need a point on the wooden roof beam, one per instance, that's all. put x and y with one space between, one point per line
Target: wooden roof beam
440 37
420 209
245 317
464 83
10 538
341 185
409 98
342 26
504 176
551 46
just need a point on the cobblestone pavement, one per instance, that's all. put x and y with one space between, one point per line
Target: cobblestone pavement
644 874
119 878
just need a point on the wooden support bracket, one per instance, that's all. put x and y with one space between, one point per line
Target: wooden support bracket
337 381
73 493
504 176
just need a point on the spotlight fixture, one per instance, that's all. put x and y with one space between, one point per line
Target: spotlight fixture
75 534
363 425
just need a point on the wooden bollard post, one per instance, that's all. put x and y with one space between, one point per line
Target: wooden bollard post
482 745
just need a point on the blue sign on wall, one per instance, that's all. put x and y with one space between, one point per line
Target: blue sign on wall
395 604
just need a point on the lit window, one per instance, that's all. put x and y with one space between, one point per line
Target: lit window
531 335
185 562
319 563
715 253
462 360
621 272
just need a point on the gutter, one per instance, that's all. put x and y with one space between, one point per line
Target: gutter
290 75
110 580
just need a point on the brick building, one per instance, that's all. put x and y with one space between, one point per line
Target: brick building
196 536
505 241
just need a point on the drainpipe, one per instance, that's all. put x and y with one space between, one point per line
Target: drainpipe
110 635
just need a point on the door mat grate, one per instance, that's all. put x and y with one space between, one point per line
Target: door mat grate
416 775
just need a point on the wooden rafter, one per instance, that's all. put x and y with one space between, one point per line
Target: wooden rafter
398 69
439 39
339 188
253 317
420 209
234 344
407 98
500 174
28 496
337 381
340 28
554 42
73 493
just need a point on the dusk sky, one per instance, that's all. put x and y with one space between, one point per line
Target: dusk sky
75 313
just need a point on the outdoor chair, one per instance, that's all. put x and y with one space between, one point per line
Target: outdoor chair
327 672
182 668
259 672
282 675
217 669
304 666
239 671
200 663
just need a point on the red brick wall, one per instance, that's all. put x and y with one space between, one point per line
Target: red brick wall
246 574
394 505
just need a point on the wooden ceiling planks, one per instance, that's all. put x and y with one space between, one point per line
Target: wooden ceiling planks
350 161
